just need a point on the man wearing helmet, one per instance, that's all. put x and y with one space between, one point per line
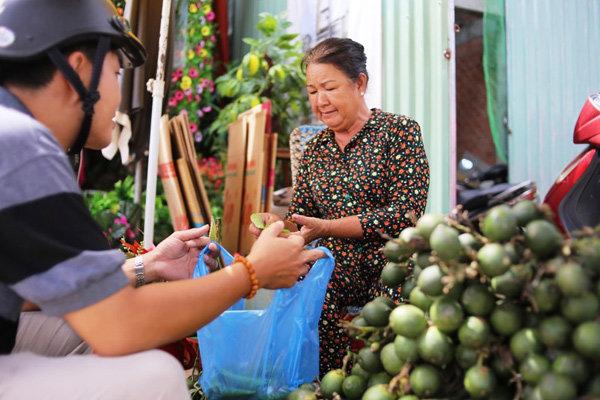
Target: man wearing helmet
59 66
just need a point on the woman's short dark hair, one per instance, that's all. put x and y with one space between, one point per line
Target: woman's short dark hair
345 54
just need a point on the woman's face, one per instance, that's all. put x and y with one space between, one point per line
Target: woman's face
334 98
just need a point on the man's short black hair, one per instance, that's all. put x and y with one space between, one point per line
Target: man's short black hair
37 73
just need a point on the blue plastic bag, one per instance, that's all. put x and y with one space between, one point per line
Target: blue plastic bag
265 354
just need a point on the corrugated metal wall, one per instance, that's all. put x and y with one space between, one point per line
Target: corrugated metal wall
553 63
419 82
244 19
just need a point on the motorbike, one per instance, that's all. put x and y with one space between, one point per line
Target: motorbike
481 187
575 195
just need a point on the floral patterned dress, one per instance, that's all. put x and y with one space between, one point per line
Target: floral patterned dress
381 175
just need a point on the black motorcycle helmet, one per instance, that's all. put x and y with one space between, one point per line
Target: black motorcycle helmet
30 29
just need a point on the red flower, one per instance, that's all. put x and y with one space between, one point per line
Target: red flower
136 248
176 75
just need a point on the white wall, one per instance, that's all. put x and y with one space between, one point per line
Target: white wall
319 19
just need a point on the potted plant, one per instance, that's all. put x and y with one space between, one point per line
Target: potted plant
270 71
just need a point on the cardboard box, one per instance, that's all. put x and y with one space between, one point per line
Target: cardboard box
195 168
168 177
234 184
254 173
270 184
184 171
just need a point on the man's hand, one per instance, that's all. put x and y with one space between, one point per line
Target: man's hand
176 257
312 228
280 261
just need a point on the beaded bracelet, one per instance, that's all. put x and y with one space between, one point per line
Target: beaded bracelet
251 272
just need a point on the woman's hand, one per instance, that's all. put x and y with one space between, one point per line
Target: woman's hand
279 261
176 256
267 218
312 228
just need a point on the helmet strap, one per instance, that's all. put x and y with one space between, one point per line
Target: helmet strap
90 96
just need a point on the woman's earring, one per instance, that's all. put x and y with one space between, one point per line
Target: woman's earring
362 93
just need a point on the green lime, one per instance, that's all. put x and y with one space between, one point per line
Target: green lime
583 307
533 368
430 281
525 211
586 340
378 392
435 347
572 365
369 360
493 260
554 331
358 370
408 320
354 386
446 314
572 279
468 242
425 380
499 224
420 299
546 295
478 300
427 223
508 284
422 259
376 313
465 356
380 378
444 242
396 250
406 349
474 333
332 383
393 274
543 238
557 387
302 394
525 342
479 381
390 360
506 319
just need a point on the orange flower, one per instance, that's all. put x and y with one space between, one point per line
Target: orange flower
135 249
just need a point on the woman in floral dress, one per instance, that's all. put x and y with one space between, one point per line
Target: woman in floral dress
359 177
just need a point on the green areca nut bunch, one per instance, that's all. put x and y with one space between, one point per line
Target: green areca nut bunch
504 307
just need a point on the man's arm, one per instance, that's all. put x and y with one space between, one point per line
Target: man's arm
133 320
139 319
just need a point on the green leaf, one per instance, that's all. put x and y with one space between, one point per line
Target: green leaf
289 36
251 42
267 23
285 45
